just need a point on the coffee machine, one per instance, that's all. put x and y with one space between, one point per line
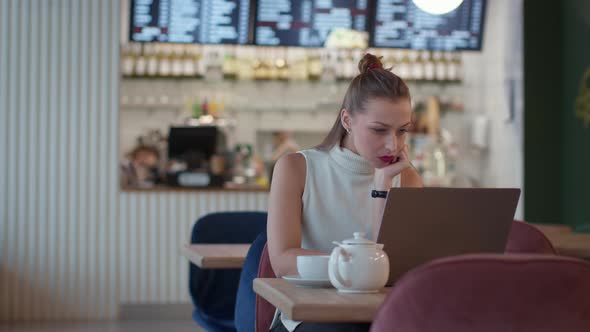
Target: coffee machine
195 155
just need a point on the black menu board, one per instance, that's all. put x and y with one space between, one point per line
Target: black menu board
306 22
401 24
190 21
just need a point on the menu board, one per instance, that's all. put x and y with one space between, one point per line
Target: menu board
401 24
306 22
190 21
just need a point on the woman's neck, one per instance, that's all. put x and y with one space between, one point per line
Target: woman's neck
347 143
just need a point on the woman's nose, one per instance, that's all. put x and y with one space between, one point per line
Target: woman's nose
391 144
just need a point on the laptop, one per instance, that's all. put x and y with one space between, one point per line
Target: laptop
422 224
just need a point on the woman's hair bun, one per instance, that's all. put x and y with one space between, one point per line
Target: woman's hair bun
368 62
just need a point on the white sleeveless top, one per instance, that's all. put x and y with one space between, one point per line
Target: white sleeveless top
337 197
336 200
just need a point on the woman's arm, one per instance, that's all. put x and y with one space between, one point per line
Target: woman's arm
411 178
284 214
384 180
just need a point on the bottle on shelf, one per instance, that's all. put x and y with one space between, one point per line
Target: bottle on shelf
271 63
244 66
196 110
177 61
429 66
314 63
298 60
205 107
199 62
417 66
282 65
440 67
229 65
349 67
164 58
141 62
212 109
453 60
128 58
188 62
404 68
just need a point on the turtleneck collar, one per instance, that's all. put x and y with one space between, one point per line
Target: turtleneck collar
351 161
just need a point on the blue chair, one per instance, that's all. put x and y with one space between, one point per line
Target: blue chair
245 314
213 291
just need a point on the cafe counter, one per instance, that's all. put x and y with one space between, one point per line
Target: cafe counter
173 189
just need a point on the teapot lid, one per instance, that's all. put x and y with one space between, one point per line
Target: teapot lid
359 239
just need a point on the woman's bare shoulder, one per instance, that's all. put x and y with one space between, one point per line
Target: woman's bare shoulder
290 170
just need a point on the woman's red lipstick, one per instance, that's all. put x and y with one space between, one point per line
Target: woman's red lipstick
387 159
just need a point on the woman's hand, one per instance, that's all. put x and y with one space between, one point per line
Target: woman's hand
384 176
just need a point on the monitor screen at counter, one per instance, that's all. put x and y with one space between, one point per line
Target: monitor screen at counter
190 21
401 24
306 23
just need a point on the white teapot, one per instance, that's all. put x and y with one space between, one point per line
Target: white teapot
358 265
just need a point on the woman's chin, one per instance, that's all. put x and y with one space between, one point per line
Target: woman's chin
380 164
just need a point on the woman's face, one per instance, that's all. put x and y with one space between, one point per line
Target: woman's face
379 133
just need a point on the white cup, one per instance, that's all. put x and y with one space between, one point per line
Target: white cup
313 267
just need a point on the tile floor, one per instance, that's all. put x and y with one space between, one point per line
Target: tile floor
105 326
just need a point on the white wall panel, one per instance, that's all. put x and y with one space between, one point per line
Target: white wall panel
73 246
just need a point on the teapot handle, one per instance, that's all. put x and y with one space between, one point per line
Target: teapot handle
338 251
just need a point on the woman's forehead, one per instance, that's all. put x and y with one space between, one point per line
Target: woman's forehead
388 111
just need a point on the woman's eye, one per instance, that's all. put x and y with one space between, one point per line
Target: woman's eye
379 130
403 131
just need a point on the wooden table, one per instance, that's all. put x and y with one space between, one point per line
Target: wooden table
216 256
565 241
319 304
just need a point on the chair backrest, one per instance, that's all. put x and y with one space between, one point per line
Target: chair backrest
264 310
490 293
213 291
245 316
527 239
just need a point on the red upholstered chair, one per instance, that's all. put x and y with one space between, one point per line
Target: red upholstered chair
264 310
527 239
488 292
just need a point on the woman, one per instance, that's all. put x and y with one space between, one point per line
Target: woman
324 194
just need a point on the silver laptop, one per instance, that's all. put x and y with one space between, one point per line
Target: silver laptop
422 224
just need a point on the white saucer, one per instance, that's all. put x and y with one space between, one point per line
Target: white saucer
297 280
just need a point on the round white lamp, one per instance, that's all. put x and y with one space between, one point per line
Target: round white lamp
437 7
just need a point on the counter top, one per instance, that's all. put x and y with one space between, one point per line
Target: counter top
233 188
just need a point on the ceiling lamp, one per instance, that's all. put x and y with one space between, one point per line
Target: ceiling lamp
437 7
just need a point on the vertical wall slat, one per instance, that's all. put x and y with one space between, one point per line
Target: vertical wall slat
62 152
83 218
53 132
20 83
73 143
11 162
143 254
102 143
4 255
112 160
32 161
164 262
135 232
123 240
181 285
172 245
93 184
155 247
41 303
